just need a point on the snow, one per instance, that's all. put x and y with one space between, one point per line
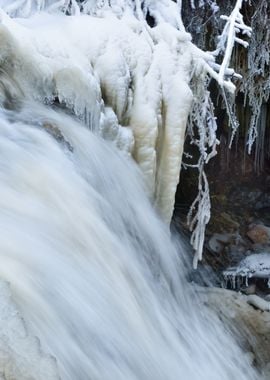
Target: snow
228 38
257 265
253 266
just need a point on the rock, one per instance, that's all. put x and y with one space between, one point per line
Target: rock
263 202
259 234
227 220
223 223
258 302
55 132
251 289
217 242
266 371
250 327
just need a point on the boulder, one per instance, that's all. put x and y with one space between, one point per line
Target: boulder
259 234
217 242
250 326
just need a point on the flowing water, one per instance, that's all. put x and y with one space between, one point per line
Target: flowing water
92 269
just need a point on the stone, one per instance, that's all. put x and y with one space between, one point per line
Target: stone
217 242
251 289
259 234
223 223
56 133
228 220
258 302
250 327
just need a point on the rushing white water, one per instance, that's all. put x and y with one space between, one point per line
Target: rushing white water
92 269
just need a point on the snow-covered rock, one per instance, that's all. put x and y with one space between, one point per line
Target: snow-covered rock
253 266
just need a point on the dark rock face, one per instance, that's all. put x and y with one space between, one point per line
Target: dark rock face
240 218
239 182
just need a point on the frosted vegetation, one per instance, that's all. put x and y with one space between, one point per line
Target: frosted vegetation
203 22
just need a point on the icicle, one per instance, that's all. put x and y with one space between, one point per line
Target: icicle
233 282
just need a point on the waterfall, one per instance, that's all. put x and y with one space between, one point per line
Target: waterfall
93 271
92 284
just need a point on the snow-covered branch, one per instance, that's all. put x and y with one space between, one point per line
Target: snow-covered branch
234 25
202 133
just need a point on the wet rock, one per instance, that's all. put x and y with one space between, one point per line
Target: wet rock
259 234
262 202
56 133
258 302
217 242
251 289
247 195
223 223
250 327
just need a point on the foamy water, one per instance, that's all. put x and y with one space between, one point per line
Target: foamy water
92 269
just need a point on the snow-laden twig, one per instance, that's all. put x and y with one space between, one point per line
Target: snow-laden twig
256 87
203 122
197 223
202 133
234 25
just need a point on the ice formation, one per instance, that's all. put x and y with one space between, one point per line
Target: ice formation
253 266
252 63
105 63
92 269
123 75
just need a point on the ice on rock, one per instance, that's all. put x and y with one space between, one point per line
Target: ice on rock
253 266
